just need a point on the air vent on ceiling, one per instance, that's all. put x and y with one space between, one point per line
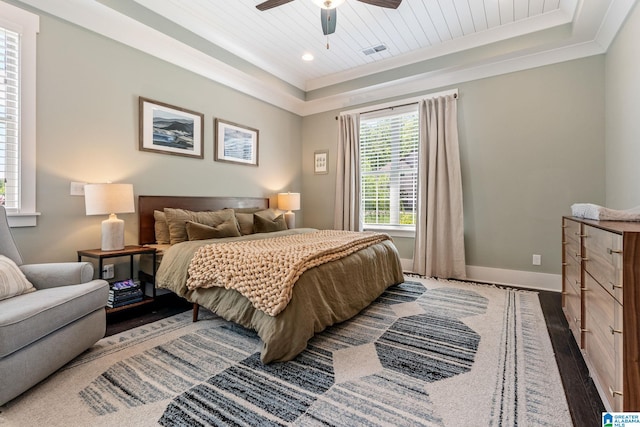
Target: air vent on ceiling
374 49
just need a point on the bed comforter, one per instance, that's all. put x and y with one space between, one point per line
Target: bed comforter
322 296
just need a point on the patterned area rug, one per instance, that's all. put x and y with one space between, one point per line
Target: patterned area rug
427 352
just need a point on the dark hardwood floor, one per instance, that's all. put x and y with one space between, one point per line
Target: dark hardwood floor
584 402
163 306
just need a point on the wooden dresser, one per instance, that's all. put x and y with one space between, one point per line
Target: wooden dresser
601 300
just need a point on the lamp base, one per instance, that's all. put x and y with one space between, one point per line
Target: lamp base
290 219
112 234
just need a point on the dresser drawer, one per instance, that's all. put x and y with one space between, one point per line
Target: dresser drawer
603 339
571 231
572 250
572 273
603 259
573 311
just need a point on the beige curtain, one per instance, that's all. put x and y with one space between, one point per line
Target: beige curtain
439 243
347 203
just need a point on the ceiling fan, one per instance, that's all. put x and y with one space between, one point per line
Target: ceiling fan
328 14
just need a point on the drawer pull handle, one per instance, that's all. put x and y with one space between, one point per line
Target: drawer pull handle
584 330
585 289
614 286
565 293
565 226
614 331
613 392
613 251
565 264
577 282
564 243
585 259
578 255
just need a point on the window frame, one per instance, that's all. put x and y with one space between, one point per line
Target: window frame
395 230
27 25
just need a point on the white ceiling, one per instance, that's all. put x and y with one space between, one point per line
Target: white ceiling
430 43
276 39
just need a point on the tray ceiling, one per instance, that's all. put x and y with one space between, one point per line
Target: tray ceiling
276 39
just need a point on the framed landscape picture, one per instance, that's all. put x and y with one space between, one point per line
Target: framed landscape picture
168 129
235 143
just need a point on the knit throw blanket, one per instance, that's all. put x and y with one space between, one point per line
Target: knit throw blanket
265 270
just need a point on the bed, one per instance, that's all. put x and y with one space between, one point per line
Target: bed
322 296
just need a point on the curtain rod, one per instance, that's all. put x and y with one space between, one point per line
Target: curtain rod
388 106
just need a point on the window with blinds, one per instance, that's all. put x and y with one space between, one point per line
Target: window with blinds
389 167
9 119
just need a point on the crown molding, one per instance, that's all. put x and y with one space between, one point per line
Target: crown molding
446 77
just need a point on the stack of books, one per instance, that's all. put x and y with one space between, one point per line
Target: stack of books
124 293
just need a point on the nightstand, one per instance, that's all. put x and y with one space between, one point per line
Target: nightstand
128 251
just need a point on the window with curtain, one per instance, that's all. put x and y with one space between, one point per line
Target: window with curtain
9 119
18 31
389 168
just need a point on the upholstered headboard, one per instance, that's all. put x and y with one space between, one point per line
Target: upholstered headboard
147 204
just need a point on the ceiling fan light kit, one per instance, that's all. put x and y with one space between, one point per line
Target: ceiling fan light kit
328 4
328 12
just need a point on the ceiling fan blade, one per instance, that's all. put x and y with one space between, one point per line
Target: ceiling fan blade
269 4
390 4
328 18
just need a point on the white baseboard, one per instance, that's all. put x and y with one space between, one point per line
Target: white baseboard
499 276
517 278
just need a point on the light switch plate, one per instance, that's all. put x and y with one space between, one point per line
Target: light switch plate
77 188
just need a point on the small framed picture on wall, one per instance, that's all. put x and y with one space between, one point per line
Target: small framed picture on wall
169 129
235 143
321 162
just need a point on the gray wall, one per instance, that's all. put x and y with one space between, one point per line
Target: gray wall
623 116
531 142
87 126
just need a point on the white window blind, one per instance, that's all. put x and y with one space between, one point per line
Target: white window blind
9 119
389 167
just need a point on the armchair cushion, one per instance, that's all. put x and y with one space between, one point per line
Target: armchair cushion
12 280
51 275
27 318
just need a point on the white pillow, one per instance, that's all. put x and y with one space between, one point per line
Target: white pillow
12 280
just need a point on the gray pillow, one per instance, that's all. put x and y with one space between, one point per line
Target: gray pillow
245 222
177 220
197 231
161 228
266 225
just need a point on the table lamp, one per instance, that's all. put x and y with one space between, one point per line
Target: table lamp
289 202
103 199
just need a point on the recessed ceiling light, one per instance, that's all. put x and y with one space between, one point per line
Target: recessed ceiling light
307 57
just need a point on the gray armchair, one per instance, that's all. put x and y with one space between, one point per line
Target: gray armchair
43 330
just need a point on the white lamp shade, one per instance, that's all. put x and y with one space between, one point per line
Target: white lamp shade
289 201
103 199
